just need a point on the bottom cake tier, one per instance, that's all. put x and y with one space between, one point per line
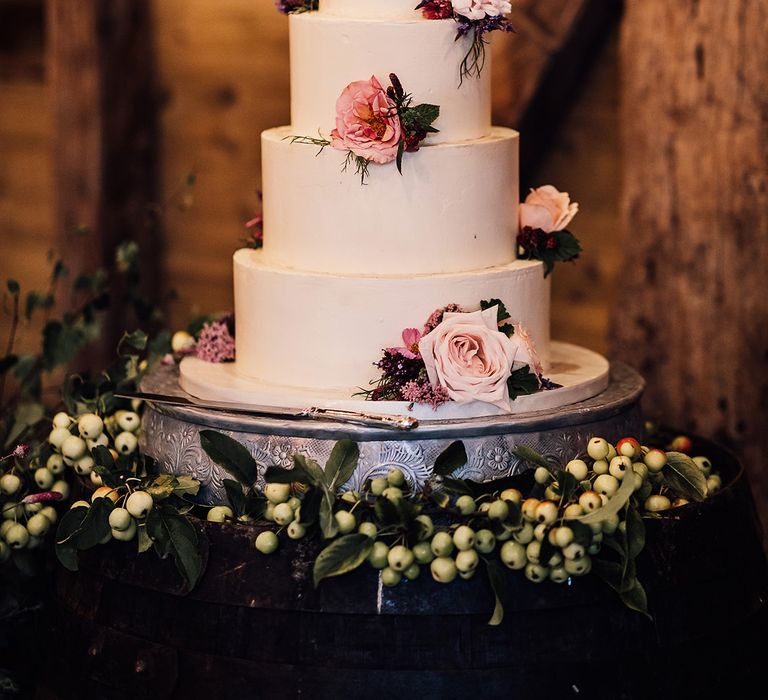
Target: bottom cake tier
171 435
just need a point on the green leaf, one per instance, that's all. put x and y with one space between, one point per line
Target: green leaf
186 486
341 464
310 505
502 314
497 577
522 382
96 524
35 301
230 455
684 477
62 343
103 457
235 496
450 459
161 487
13 287
567 484
614 504
635 598
328 524
59 270
424 115
582 534
144 540
310 469
568 246
174 535
281 475
342 555
399 159
26 415
635 532
530 455
386 512
132 343
69 528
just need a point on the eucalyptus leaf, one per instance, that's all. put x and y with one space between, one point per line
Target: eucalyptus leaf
230 455
614 505
450 459
530 455
342 555
341 464
683 476
497 577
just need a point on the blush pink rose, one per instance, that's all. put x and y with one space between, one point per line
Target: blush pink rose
468 356
367 122
547 209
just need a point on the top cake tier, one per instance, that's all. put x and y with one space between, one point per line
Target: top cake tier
347 41
371 9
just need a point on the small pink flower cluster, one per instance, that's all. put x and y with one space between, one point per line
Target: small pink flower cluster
424 392
215 343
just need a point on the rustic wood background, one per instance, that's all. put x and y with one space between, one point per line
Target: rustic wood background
692 301
672 278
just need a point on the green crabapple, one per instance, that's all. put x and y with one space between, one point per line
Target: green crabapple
283 514
50 513
368 529
545 512
606 484
598 448
541 475
57 436
378 485
467 560
296 530
38 525
412 572
485 541
525 534
628 447
443 569
345 520
400 557
377 557
578 469
442 544
266 542
536 572
513 555
619 466
590 500
657 503
529 508
466 504
390 577
62 420
55 464
422 552
128 421
463 538
84 465
395 477
120 519
427 527
498 510
74 448
139 503
17 536
600 466
218 514
511 494
90 426
277 493
126 442
125 535
10 484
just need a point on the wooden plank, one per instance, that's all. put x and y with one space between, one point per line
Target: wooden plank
692 309
100 64
540 71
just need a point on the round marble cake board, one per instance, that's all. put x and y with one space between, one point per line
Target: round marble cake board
171 435
581 374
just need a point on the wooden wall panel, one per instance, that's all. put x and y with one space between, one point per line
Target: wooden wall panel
224 70
692 313
26 212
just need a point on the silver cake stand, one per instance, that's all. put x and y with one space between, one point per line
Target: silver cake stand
171 435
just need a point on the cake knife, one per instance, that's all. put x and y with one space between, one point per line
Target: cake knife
394 422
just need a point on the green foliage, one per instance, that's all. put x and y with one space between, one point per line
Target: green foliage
450 459
230 455
173 535
522 382
682 475
342 555
502 317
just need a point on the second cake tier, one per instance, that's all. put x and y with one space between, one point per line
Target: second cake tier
454 208
325 332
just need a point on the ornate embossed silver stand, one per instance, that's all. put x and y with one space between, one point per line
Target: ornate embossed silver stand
171 435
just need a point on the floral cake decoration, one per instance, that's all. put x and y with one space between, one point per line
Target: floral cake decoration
376 125
544 215
475 19
461 356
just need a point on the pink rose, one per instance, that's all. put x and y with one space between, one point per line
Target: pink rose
470 357
547 209
367 122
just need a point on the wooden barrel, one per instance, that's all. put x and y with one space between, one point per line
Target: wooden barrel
256 628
